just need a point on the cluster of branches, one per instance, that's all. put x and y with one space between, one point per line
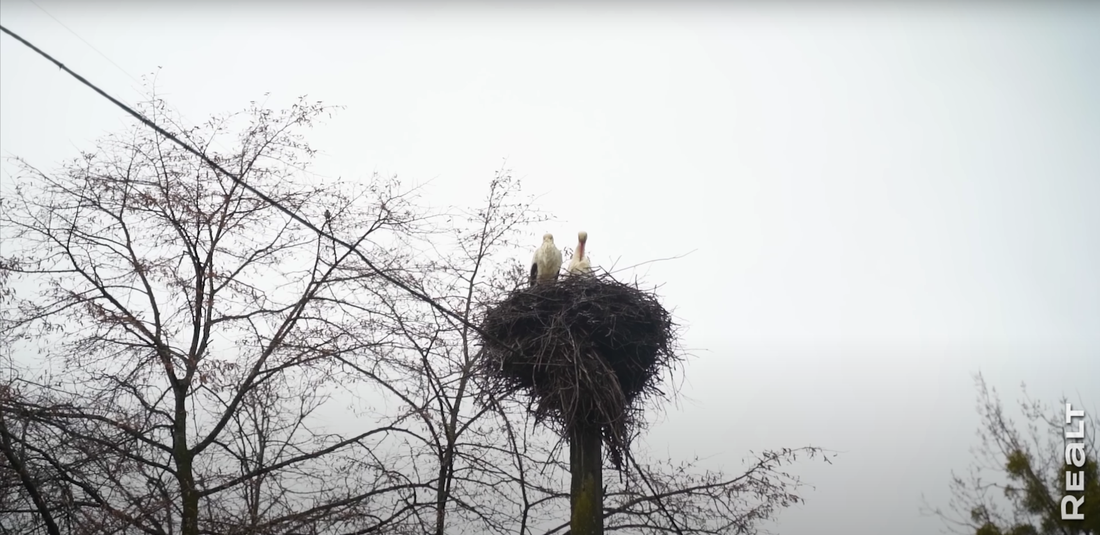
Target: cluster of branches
1018 479
181 357
186 330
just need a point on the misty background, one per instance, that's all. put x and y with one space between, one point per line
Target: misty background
878 202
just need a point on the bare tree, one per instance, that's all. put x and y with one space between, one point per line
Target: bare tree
490 466
431 369
188 333
1018 479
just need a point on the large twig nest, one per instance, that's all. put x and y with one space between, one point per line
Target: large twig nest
587 349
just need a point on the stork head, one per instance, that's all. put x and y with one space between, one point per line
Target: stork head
548 237
582 236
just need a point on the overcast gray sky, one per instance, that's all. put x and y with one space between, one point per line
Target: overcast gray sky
881 201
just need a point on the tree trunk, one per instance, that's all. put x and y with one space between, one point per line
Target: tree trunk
441 498
586 489
189 524
185 475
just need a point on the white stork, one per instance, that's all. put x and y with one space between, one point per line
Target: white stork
546 264
579 264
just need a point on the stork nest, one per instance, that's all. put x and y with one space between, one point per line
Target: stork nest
589 350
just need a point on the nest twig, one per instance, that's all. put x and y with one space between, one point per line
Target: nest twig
587 349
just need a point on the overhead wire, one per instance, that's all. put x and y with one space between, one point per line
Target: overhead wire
143 94
263 196
85 41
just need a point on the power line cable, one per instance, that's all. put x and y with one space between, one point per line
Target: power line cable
423 297
144 94
85 41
